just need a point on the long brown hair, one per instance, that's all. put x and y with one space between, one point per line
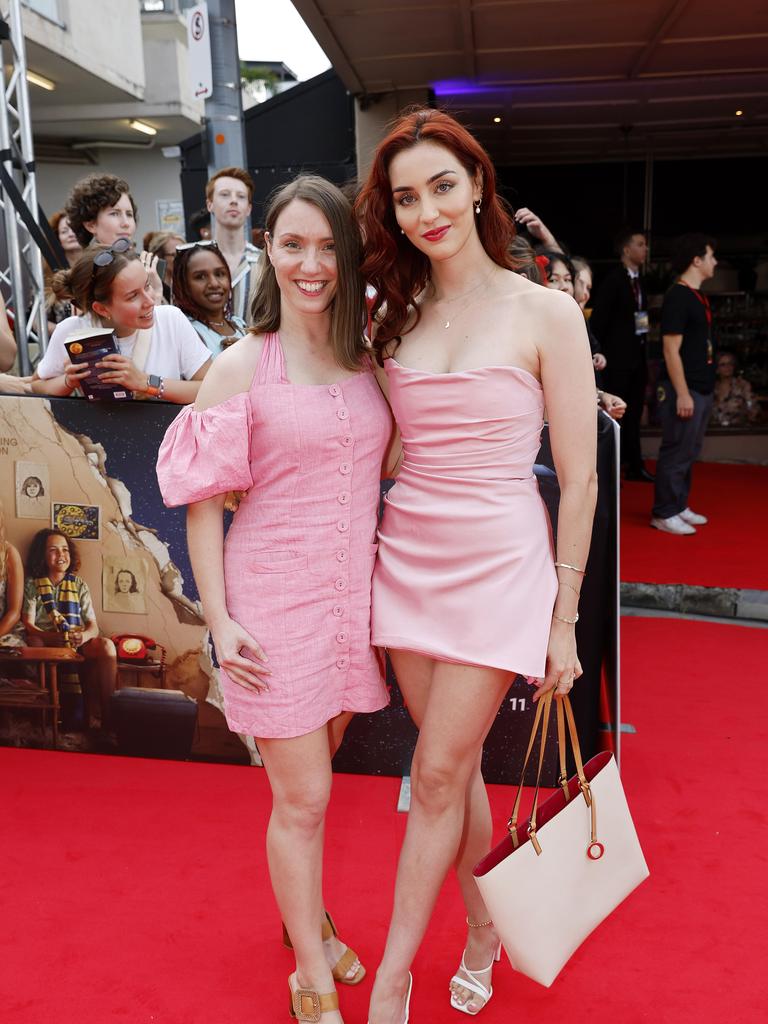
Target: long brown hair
86 282
348 311
392 265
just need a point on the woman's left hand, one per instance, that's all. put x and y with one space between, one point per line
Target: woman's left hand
563 665
120 370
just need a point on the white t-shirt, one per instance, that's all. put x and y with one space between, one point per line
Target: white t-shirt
175 350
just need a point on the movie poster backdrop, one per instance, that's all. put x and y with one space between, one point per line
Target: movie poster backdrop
88 469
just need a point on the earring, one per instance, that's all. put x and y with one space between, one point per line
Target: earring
402 232
477 205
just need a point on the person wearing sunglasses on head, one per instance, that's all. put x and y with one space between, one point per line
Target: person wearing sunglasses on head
159 354
202 287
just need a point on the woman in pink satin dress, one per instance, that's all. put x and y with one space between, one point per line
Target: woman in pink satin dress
292 415
468 590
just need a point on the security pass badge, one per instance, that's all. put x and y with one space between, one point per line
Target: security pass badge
641 321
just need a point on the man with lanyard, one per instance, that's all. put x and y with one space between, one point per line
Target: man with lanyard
619 322
229 194
686 385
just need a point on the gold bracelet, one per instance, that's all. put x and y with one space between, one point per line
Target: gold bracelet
562 583
571 622
564 565
484 924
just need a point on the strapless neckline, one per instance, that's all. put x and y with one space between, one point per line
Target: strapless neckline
463 373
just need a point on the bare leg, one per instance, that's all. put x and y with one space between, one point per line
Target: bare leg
414 674
299 772
99 679
458 710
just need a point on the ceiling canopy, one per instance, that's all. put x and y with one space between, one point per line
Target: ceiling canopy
566 80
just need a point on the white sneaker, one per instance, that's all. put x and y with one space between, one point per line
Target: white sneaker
674 524
693 518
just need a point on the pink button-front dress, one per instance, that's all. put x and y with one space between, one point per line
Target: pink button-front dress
466 571
299 554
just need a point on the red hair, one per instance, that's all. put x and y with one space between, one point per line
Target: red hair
397 269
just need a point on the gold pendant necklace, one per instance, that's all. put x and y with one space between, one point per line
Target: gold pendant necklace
471 292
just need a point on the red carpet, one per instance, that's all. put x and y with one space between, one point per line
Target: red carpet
135 891
730 551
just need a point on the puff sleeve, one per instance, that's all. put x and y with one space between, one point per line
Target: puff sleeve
206 453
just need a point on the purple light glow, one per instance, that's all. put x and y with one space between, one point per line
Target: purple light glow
460 87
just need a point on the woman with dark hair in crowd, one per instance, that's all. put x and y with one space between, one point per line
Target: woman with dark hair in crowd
160 355
467 591
58 311
101 209
202 289
58 610
292 415
11 590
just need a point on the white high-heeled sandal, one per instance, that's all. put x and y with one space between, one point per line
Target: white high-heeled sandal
473 983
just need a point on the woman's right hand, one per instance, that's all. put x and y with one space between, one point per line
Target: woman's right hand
229 639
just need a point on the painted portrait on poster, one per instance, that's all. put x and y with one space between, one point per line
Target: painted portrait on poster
33 490
123 580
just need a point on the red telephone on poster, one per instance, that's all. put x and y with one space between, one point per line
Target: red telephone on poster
133 646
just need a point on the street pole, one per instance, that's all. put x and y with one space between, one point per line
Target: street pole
224 108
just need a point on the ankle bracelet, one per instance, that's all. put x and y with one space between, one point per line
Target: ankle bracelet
483 924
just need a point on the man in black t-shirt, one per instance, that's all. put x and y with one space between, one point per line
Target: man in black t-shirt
686 384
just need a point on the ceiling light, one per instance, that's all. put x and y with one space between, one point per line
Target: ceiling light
41 81
140 126
497 120
739 113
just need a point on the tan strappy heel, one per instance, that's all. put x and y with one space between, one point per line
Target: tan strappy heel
346 961
308 1005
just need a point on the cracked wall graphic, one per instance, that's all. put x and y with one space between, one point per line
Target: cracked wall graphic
104 456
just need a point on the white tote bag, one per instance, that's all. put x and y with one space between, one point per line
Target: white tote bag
554 878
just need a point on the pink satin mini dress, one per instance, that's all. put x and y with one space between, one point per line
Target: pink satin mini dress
299 554
465 571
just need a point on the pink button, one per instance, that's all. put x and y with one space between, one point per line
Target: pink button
338 610
345 468
340 583
344 497
334 390
343 525
343 413
341 556
341 638
347 440
342 662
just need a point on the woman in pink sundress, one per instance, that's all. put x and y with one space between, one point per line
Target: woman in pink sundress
468 590
292 415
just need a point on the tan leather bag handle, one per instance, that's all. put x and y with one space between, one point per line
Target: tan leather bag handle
540 724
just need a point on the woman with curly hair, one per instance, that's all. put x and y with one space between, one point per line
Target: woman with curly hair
467 590
202 289
58 610
101 209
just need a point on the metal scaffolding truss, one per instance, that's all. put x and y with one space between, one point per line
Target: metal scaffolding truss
21 266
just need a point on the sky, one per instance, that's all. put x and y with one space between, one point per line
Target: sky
273 30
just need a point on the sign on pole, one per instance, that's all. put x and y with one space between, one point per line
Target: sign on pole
199 43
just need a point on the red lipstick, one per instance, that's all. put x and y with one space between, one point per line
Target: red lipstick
436 234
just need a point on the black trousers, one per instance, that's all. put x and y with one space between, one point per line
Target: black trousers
629 385
681 442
